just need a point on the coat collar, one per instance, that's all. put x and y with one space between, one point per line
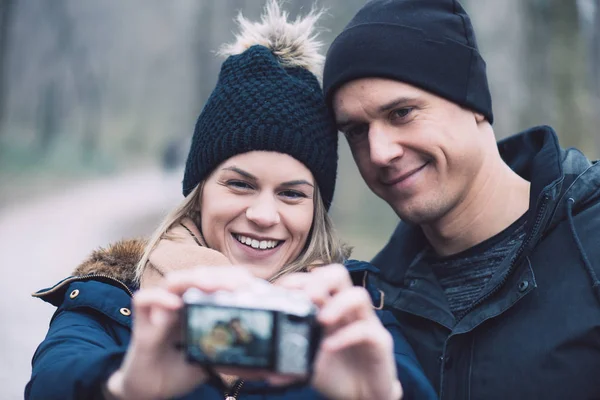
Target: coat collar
114 265
118 261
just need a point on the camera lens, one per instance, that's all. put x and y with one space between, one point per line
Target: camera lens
295 344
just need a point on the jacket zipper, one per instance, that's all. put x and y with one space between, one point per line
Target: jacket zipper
534 231
236 391
81 278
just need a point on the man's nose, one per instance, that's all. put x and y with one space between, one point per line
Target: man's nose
384 146
263 212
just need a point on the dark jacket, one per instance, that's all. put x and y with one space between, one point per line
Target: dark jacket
91 329
535 333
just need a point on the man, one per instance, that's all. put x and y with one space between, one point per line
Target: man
493 271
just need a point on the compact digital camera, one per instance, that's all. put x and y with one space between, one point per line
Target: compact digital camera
268 328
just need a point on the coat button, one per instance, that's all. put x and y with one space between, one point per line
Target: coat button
523 286
445 361
448 362
125 311
74 293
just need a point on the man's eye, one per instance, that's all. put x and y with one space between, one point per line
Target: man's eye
401 113
356 132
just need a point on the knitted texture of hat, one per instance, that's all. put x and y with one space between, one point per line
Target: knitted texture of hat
427 43
265 102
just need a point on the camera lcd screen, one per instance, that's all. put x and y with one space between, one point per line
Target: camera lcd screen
230 336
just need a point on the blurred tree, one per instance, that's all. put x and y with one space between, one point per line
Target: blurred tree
556 65
595 73
204 45
87 90
49 120
6 13
589 16
500 28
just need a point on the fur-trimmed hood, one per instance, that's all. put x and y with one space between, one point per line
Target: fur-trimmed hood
117 260
181 248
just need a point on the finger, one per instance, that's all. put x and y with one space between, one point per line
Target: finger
317 293
360 333
156 312
279 380
320 284
296 280
210 279
244 373
334 278
156 297
146 299
350 304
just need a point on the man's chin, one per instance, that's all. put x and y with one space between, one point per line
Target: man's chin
416 216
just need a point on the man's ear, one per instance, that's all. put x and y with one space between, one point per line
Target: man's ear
479 118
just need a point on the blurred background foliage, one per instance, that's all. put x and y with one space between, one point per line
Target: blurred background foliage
95 88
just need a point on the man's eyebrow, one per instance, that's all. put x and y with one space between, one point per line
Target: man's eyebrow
297 182
400 101
241 172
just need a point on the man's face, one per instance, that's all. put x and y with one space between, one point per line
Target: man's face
417 151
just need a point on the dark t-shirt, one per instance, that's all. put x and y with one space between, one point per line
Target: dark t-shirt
464 275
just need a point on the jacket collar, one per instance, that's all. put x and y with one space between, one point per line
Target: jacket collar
118 261
114 265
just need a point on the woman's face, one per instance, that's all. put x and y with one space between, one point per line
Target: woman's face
257 209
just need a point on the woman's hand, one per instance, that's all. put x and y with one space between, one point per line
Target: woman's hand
154 368
356 357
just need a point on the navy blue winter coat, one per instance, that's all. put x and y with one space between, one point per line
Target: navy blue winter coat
91 329
535 332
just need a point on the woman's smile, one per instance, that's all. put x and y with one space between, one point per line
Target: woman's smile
257 243
254 250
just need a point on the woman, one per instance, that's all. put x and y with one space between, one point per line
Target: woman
258 183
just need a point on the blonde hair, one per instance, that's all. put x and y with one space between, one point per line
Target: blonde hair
323 244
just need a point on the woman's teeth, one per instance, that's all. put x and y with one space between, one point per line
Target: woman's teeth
257 244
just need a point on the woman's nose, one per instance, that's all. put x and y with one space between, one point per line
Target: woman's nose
263 213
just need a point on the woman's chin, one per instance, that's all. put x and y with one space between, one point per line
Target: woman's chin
262 271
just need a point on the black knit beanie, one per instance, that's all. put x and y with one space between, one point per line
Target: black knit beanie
266 98
427 43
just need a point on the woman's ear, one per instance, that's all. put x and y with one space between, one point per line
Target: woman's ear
479 118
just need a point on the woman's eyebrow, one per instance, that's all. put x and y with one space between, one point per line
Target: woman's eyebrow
297 182
252 177
241 172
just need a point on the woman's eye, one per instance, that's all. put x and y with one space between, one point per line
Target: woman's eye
293 194
239 185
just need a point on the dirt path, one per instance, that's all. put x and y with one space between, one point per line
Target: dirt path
42 241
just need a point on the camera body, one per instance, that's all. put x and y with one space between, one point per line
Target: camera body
268 328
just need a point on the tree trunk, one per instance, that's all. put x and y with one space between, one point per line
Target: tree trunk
595 76
6 12
589 20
